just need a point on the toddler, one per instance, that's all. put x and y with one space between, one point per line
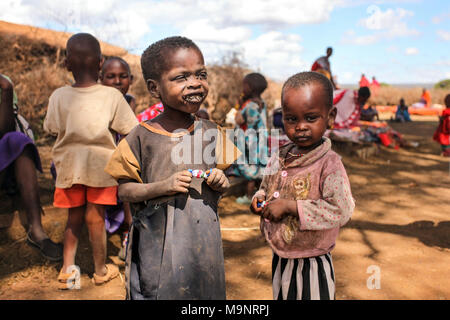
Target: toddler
306 193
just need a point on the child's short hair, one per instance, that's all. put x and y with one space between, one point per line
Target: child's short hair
305 78
85 43
153 60
257 82
118 59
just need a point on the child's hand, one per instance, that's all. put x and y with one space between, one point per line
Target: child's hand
5 84
254 206
276 210
217 180
178 182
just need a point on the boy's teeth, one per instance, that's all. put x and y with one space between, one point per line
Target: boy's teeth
193 98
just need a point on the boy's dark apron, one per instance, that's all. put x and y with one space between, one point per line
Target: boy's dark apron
174 249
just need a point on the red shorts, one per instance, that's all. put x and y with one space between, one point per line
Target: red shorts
79 194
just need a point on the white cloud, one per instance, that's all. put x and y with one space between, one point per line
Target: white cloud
443 35
385 25
276 13
202 30
276 54
411 51
350 37
16 11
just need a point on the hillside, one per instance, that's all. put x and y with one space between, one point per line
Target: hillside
33 58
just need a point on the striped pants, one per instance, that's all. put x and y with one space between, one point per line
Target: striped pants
303 278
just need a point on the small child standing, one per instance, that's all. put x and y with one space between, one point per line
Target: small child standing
306 192
82 117
252 116
174 248
442 133
116 73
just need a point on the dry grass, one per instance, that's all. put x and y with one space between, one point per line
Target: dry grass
386 96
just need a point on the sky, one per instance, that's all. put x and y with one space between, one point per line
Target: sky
403 41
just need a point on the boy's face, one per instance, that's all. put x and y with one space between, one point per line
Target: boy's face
116 75
306 115
183 85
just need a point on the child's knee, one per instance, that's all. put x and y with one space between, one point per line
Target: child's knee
95 214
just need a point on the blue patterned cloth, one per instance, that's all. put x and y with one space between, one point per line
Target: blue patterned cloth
256 138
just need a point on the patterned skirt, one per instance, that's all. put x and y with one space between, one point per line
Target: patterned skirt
303 278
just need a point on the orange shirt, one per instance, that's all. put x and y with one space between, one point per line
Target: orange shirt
427 97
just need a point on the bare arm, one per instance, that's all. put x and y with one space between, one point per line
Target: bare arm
138 192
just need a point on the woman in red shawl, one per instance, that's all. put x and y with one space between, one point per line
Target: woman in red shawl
364 82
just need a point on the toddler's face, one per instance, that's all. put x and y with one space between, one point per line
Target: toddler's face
306 115
184 85
116 75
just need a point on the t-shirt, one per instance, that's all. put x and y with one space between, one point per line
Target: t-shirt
84 120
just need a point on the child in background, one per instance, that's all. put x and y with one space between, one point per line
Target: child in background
82 117
369 113
402 114
442 133
307 193
116 73
174 249
252 115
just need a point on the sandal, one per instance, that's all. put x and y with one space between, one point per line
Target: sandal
69 281
112 271
50 250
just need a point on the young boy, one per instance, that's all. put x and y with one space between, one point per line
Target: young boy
307 193
83 117
175 248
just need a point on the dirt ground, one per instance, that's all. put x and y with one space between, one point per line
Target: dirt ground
400 228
